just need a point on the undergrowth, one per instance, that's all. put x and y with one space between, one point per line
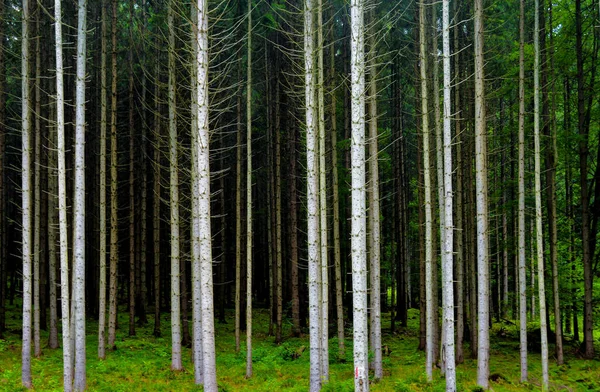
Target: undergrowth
142 362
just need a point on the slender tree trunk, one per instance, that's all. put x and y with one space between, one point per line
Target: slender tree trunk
522 264
52 225
131 183
483 305
197 344
375 224
312 202
143 262
37 245
62 203
551 155
3 253
278 253
79 202
429 267
588 327
156 201
448 249
339 305
294 234
114 184
358 191
174 200
238 217
322 192
26 203
249 232
202 154
459 267
102 216
538 198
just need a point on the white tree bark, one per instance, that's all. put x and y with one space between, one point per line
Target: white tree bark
483 334
62 203
195 240
37 248
538 196
79 201
448 249
522 264
249 232
203 205
26 203
174 199
429 330
312 202
358 191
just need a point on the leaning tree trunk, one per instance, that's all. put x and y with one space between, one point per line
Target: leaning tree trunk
249 232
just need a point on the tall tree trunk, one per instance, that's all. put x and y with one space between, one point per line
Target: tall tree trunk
588 327
374 220
249 232
358 191
293 232
62 203
102 190
483 305
202 154
3 253
538 198
339 305
238 215
114 185
551 155
322 192
197 344
522 264
79 202
174 199
131 182
156 201
37 205
429 265
312 202
26 195
278 253
448 246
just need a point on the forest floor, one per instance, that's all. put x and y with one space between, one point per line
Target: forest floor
142 362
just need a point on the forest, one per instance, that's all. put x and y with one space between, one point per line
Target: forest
259 195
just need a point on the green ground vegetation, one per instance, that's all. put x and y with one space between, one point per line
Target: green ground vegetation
142 362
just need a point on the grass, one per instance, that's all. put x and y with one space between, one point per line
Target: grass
142 363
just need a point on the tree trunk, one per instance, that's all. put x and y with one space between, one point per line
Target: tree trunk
26 203
429 264
249 232
37 245
538 198
174 200
358 191
312 202
374 213
102 215
522 264
79 202
114 185
588 328
322 192
131 183
156 201
483 305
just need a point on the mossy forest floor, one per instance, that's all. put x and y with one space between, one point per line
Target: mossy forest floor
142 362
